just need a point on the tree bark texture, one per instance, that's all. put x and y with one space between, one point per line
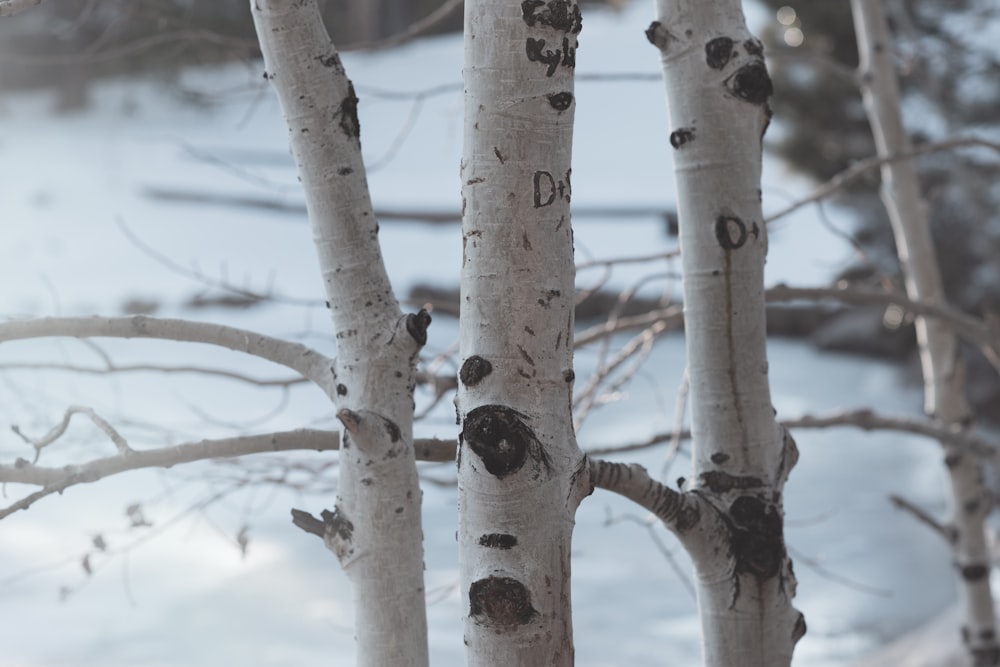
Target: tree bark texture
375 528
521 475
944 377
717 92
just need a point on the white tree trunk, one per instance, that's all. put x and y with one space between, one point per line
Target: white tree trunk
521 474
717 91
375 529
944 377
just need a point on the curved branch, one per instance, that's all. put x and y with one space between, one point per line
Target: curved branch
56 480
311 364
632 481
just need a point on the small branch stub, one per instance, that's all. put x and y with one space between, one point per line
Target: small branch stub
416 325
474 369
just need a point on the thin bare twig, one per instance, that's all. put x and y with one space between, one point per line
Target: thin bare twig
922 516
858 169
57 431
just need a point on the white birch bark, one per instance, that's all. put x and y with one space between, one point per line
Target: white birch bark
521 474
717 91
944 377
375 529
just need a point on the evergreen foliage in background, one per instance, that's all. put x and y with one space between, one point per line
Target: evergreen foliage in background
947 65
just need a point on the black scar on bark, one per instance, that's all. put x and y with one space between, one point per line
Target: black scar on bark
348 114
474 369
754 47
561 101
557 14
498 541
721 482
392 429
333 523
975 572
718 52
501 603
719 458
332 60
341 390
681 136
501 438
751 83
416 325
756 539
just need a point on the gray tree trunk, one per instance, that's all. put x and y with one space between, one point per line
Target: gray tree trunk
944 376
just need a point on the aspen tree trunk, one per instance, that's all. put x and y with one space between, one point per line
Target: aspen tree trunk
717 91
521 475
375 529
944 377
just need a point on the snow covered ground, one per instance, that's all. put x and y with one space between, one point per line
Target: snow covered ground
75 214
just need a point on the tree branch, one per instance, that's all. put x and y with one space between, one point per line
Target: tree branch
863 419
154 368
57 480
923 517
414 30
311 364
973 329
633 482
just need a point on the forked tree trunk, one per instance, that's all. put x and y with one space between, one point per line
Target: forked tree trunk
520 471
944 377
375 529
717 92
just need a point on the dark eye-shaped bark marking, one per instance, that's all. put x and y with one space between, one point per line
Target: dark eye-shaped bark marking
502 603
474 369
751 83
501 437
718 52
498 541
